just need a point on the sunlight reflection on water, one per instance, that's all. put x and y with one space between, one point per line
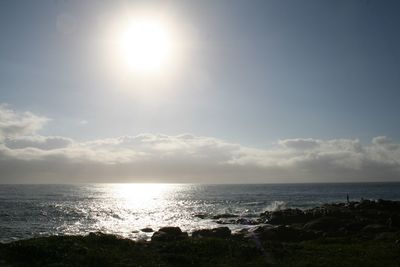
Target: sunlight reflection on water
141 196
124 209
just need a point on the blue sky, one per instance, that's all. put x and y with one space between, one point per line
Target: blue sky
255 72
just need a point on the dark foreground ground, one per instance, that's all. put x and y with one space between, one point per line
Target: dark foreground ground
352 234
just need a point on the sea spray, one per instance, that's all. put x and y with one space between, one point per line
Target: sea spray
276 205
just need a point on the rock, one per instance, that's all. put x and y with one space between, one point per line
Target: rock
246 221
228 221
366 204
219 232
339 210
375 228
384 236
388 205
172 230
325 224
283 233
287 216
225 215
262 228
169 234
367 217
244 232
354 226
147 230
200 215
242 221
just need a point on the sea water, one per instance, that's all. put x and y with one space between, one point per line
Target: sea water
41 210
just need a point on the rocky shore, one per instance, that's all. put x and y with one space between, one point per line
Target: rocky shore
366 218
365 233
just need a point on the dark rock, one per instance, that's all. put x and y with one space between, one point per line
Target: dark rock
284 233
375 228
338 210
228 221
365 204
324 224
220 232
147 230
172 230
354 226
169 234
261 228
244 232
388 205
201 216
384 236
246 221
265 215
225 215
242 221
287 216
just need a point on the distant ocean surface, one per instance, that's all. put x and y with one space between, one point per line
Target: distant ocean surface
123 209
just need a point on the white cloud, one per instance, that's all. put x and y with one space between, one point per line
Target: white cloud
14 123
28 157
299 144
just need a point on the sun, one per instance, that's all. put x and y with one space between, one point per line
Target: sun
146 45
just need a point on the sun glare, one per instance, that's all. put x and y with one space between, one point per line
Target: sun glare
141 195
146 44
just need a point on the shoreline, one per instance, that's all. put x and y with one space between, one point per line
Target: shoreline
365 233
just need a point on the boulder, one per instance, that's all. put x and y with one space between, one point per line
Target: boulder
325 224
388 205
241 233
287 216
224 215
219 232
247 221
284 233
201 216
169 234
242 221
385 236
226 221
375 228
366 204
354 226
147 230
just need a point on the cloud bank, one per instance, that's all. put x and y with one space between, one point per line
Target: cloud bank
28 157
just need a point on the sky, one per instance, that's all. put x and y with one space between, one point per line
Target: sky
254 92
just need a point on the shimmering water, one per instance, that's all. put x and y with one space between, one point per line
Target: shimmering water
123 209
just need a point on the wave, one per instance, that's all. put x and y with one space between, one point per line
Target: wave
276 205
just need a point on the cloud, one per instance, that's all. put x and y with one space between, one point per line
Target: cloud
37 141
14 123
299 144
83 122
26 156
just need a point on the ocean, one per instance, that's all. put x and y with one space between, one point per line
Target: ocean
41 210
